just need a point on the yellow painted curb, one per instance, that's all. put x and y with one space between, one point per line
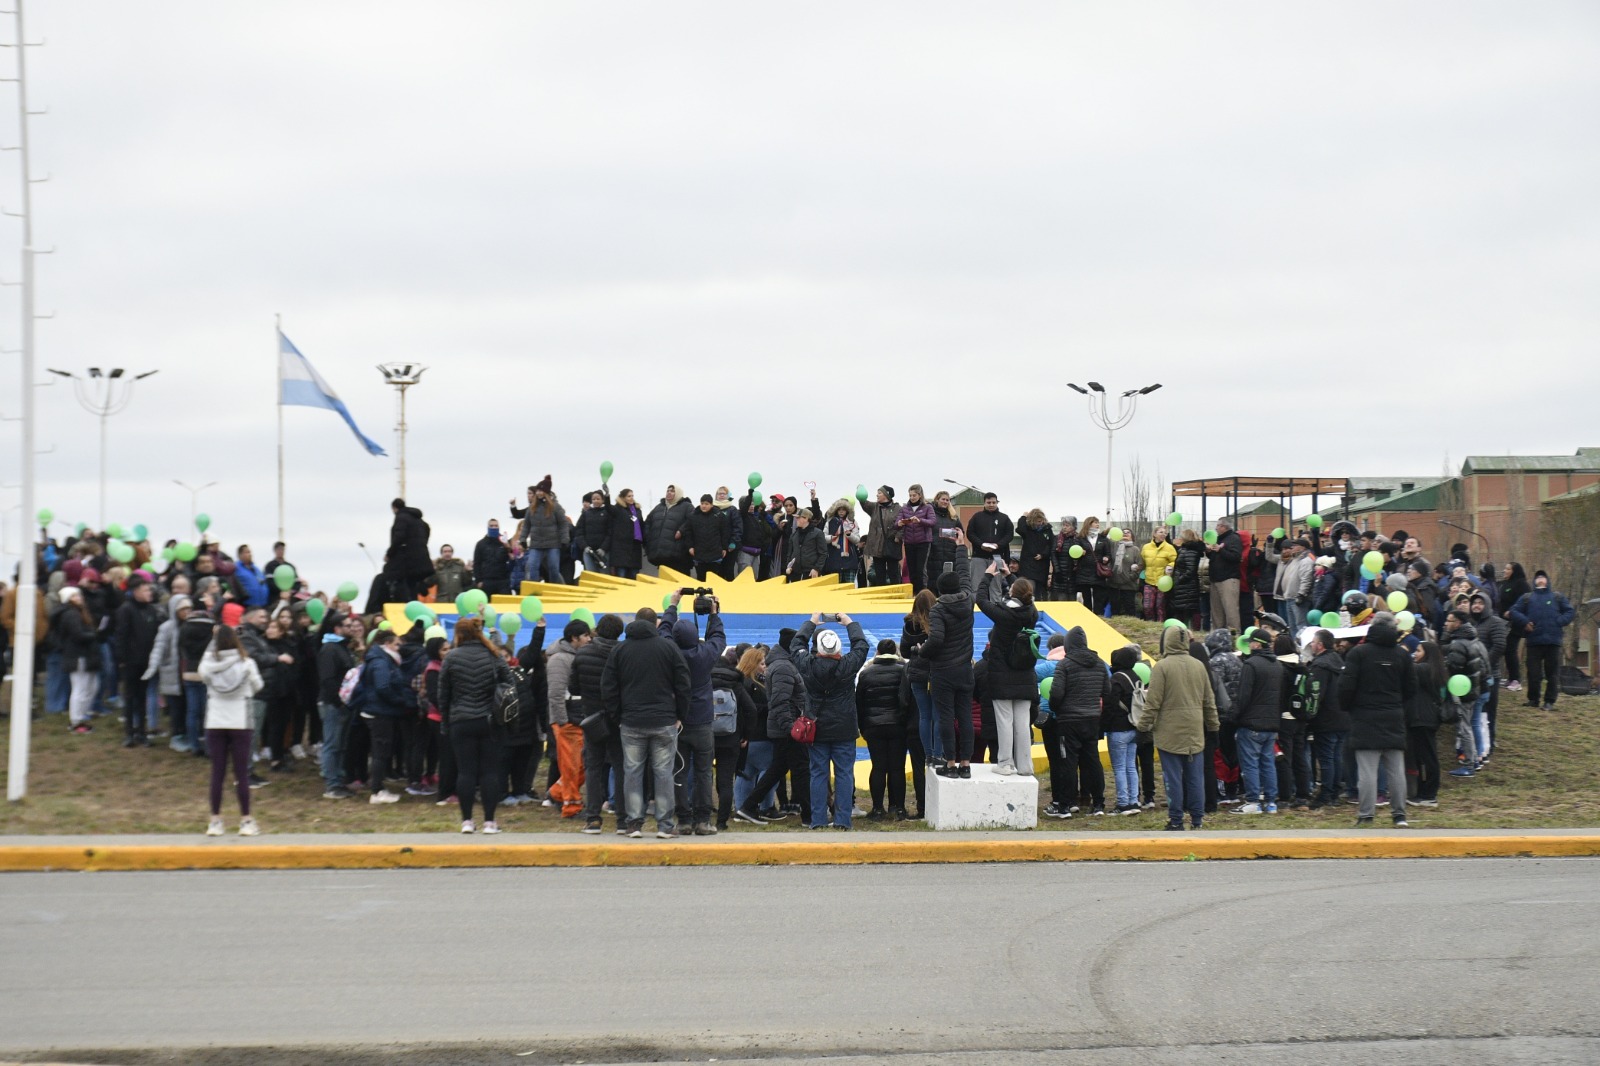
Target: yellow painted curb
265 856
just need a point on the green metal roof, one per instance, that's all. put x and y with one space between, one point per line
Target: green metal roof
1584 461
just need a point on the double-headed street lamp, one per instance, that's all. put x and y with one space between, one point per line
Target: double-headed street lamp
104 393
1101 415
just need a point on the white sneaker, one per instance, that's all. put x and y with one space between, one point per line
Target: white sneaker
1250 808
1005 771
216 828
490 827
547 803
383 796
467 827
248 827
298 751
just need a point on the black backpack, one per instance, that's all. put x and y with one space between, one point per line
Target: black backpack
1024 650
1305 699
507 701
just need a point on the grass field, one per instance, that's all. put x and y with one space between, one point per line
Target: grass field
1542 775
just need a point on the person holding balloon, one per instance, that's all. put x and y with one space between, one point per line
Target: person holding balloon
627 538
1159 556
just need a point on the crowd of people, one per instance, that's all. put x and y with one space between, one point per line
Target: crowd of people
1303 670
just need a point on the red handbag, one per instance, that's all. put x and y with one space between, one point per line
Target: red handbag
804 730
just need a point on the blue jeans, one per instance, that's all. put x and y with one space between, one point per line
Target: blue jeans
842 754
108 681
1480 719
57 685
660 747
927 724
194 697
1294 614
1185 780
591 562
152 706
335 727
757 757
628 573
1124 750
545 561
1258 769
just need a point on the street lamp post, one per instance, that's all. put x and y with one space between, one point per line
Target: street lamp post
402 376
1101 415
104 393
194 497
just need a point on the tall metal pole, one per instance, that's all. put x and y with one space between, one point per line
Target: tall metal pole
28 574
103 416
1100 414
402 431
277 359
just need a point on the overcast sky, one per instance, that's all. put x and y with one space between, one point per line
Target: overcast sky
839 242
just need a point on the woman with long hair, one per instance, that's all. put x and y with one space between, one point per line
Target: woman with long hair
1009 675
1034 559
72 633
1188 604
947 549
1094 566
1422 721
472 671
1513 586
545 530
281 687
913 635
758 746
231 679
915 523
627 537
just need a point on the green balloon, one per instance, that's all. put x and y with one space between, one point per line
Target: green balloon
605 475
1044 687
45 516
1397 601
490 617
1114 534
1142 672
1406 621
755 481
1209 536
202 522
114 531
384 626
140 533
532 608
1373 561
1278 534
861 493
120 551
1459 685
1370 575
1076 551
666 601
1313 617
480 600
416 609
432 632
186 552
316 610
1164 584
1314 521
1242 645
349 591
78 530
1169 623
510 623
1175 519
284 577
169 554
583 614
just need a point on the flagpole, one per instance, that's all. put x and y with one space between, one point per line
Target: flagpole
277 358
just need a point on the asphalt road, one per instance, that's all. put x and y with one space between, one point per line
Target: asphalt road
1463 961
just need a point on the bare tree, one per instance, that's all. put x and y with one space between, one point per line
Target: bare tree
1137 501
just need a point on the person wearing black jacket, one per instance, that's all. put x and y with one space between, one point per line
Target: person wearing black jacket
491 562
883 707
1226 555
137 621
990 531
807 548
1378 682
948 652
1092 585
1513 586
1331 727
522 735
334 659
593 532
1035 554
948 548
1077 688
727 747
471 674
602 745
1423 714
665 537
786 701
830 673
408 564
645 690
1256 714
194 636
1063 564
627 535
707 533
1012 689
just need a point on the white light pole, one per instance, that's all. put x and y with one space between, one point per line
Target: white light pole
104 393
402 376
194 497
1101 415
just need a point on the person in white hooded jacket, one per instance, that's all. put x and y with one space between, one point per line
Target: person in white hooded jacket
231 678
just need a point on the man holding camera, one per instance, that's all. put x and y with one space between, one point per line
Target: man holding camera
696 745
830 678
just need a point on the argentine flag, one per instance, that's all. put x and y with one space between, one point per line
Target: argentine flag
304 387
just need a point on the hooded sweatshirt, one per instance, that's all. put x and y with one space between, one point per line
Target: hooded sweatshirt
645 683
1080 683
231 679
1226 668
164 656
1377 684
1180 708
700 655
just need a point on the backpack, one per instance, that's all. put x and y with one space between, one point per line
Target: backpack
724 713
424 704
1305 699
351 682
1136 701
507 701
1024 650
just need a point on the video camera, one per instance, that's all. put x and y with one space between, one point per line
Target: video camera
702 598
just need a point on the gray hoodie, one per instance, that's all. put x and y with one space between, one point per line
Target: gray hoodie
164 656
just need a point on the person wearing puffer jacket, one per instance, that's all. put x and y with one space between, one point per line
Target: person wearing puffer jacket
1010 679
696 743
664 533
1540 616
915 522
1257 714
1377 684
544 530
1225 667
830 678
786 701
231 679
1080 683
164 669
948 652
844 552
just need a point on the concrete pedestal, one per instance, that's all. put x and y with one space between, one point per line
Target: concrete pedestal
985 801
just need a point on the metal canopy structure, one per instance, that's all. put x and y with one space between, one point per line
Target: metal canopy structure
1282 489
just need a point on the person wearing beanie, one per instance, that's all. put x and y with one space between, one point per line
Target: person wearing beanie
72 632
829 674
545 531
883 708
881 546
948 654
1540 615
1256 715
